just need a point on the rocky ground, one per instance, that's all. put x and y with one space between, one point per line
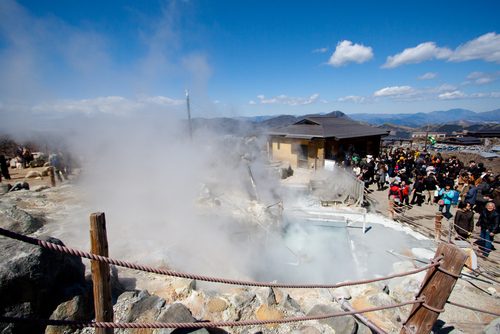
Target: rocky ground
39 283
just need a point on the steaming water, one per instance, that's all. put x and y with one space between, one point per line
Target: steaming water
312 245
326 250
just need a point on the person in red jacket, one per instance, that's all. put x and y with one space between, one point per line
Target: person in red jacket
394 197
404 193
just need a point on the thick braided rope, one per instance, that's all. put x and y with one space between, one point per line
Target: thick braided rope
473 308
482 274
481 248
80 324
91 256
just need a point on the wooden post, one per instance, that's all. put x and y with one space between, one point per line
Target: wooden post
52 176
100 272
435 289
437 226
450 229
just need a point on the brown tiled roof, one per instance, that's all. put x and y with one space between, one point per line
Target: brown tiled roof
328 127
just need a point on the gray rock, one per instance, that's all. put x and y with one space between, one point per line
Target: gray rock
243 299
307 330
17 220
363 329
78 308
33 281
40 188
341 293
266 296
3 188
493 327
178 313
345 324
289 303
148 306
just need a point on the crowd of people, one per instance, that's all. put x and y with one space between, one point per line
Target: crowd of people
413 177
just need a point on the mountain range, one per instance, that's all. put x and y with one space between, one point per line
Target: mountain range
453 120
420 119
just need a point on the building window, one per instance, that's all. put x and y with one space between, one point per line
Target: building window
278 144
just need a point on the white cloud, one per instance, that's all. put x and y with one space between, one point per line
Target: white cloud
422 52
456 94
427 76
320 50
116 105
346 52
352 98
252 102
485 47
287 100
481 78
494 95
394 91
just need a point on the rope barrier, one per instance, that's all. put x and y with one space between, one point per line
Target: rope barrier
462 275
473 308
475 237
120 263
82 324
481 248
482 274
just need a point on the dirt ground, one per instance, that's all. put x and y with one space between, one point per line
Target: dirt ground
19 175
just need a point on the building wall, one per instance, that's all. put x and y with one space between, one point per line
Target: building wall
300 153
421 134
305 153
316 157
281 149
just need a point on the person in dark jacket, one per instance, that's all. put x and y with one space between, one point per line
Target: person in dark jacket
488 221
430 185
418 191
4 168
464 220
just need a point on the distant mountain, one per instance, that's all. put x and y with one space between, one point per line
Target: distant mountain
284 120
435 117
400 125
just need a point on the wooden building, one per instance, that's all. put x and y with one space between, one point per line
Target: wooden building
312 140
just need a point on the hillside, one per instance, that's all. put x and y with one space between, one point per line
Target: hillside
435 117
400 125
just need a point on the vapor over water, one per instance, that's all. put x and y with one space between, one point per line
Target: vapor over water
201 205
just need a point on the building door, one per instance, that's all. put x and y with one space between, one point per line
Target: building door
302 155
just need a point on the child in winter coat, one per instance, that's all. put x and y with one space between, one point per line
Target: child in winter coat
446 195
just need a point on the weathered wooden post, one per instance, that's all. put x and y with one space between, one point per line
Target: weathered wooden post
437 226
435 290
100 272
450 229
52 176
391 206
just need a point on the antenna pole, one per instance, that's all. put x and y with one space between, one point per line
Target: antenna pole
189 115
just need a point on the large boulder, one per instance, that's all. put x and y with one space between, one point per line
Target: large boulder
17 220
140 306
34 280
79 309
345 324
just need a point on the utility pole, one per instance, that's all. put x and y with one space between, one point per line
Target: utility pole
189 116
426 137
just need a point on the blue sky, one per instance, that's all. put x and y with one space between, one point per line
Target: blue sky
248 58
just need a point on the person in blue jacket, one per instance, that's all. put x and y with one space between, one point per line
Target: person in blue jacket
446 196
